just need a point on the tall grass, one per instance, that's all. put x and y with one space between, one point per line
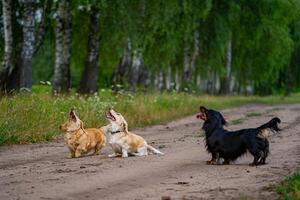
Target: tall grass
30 118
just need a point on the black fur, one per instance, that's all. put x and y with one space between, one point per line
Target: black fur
230 145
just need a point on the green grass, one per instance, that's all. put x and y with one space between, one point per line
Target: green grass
253 114
290 188
241 120
237 121
30 118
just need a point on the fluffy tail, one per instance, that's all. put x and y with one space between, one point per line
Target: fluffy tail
151 148
272 124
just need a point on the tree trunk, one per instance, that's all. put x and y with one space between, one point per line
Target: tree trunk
143 77
88 82
43 25
28 45
135 69
186 68
118 77
6 83
226 81
63 34
189 61
177 81
288 82
168 79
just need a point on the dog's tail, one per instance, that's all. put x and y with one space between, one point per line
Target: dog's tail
272 125
151 148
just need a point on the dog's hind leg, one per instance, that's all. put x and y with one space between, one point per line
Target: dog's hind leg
98 148
262 161
253 148
256 159
257 155
142 151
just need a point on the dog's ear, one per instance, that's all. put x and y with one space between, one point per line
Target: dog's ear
224 122
125 127
203 113
203 109
81 124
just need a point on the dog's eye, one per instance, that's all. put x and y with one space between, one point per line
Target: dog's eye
118 113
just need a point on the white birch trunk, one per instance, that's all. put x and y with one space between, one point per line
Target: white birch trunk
7 64
135 69
28 45
226 81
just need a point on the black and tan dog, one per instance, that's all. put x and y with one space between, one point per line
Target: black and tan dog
230 145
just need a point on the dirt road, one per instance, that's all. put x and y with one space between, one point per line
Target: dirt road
43 171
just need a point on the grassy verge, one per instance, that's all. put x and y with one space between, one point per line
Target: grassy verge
33 118
290 188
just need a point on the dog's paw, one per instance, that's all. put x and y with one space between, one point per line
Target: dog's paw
71 156
226 162
211 162
112 155
262 163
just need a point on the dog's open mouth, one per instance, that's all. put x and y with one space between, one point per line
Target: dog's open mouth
110 116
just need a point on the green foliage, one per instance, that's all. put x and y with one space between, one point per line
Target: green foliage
265 36
290 188
253 114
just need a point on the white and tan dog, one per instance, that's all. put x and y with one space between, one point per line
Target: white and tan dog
122 141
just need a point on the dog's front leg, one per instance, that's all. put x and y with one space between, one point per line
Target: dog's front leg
78 152
214 159
124 153
72 153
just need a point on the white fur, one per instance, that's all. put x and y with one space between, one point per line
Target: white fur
118 146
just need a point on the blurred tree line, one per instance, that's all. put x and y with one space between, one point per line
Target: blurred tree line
205 46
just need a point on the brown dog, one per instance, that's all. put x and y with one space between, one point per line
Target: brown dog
80 140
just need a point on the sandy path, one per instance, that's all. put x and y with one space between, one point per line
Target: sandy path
42 171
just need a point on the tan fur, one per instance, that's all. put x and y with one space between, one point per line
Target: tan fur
264 134
132 140
80 140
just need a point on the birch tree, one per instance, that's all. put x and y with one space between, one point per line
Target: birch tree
226 80
28 45
63 40
8 69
